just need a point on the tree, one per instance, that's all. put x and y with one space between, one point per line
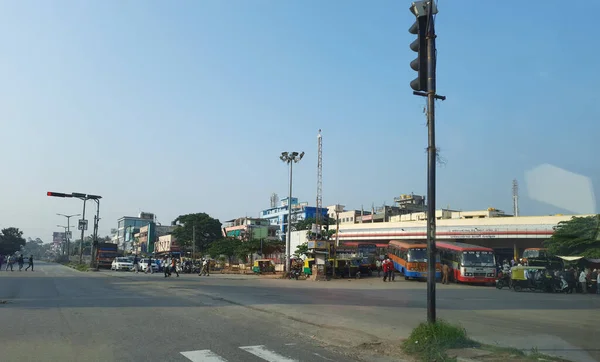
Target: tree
306 224
36 247
255 246
579 236
225 246
207 230
11 240
301 249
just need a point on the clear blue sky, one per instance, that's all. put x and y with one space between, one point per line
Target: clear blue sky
180 107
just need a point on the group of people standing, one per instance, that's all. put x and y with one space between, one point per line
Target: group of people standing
10 261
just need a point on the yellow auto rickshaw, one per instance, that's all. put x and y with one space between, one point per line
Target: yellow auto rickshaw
529 277
308 264
262 266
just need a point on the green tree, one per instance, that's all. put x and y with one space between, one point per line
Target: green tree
11 240
301 249
579 236
306 224
36 247
225 246
208 230
255 246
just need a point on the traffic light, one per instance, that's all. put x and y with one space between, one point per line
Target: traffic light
57 194
419 45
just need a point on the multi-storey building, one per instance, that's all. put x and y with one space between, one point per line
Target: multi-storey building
278 215
248 228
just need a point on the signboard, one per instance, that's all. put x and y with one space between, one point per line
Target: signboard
83 225
318 244
147 216
165 244
58 237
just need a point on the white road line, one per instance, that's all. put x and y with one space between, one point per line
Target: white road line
204 355
264 353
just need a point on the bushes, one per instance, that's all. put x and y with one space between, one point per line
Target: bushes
429 342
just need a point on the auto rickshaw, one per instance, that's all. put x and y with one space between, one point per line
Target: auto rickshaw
532 278
366 266
308 264
344 267
263 266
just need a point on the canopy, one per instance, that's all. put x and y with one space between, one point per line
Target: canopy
570 258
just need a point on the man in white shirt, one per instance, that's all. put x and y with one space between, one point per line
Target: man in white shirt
583 281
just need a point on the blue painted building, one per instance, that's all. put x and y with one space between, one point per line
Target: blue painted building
279 215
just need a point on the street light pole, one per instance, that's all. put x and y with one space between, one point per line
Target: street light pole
69 230
290 158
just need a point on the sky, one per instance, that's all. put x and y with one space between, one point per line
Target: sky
184 107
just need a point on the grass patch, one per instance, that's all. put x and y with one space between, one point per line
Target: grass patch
80 267
515 354
429 342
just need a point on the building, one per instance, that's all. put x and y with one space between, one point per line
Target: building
504 234
151 232
278 215
445 214
248 228
128 226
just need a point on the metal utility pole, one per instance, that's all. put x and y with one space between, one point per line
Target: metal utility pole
290 158
318 216
193 242
68 231
425 86
515 190
82 227
94 251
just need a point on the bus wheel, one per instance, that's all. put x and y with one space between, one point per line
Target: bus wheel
406 278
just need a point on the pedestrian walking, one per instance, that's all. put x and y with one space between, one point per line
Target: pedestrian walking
21 262
9 262
30 263
445 271
149 267
136 264
174 266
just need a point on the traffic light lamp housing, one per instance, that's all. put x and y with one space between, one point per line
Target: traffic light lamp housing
57 194
423 11
419 46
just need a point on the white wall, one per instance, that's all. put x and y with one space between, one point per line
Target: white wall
297 238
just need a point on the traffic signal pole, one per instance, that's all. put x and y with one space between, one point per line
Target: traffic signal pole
82 234
425 86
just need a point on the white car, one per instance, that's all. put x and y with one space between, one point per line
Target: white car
144 265
121 263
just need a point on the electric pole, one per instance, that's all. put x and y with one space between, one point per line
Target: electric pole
425 86
193 242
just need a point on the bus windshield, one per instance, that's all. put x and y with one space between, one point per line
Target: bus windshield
419 255
478 258
532 253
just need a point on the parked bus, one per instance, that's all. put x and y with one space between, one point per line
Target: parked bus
468 263
410 259
541 257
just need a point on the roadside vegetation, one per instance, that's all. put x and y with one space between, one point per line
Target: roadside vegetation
77 266
430 341
444 342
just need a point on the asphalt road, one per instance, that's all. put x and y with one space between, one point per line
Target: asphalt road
59 314
357 312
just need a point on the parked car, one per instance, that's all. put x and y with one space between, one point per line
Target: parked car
122 263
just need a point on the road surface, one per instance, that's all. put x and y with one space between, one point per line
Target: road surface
59 314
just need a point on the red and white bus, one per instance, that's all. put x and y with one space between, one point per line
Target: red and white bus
468 263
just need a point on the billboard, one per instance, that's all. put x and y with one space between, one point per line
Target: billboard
58 237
